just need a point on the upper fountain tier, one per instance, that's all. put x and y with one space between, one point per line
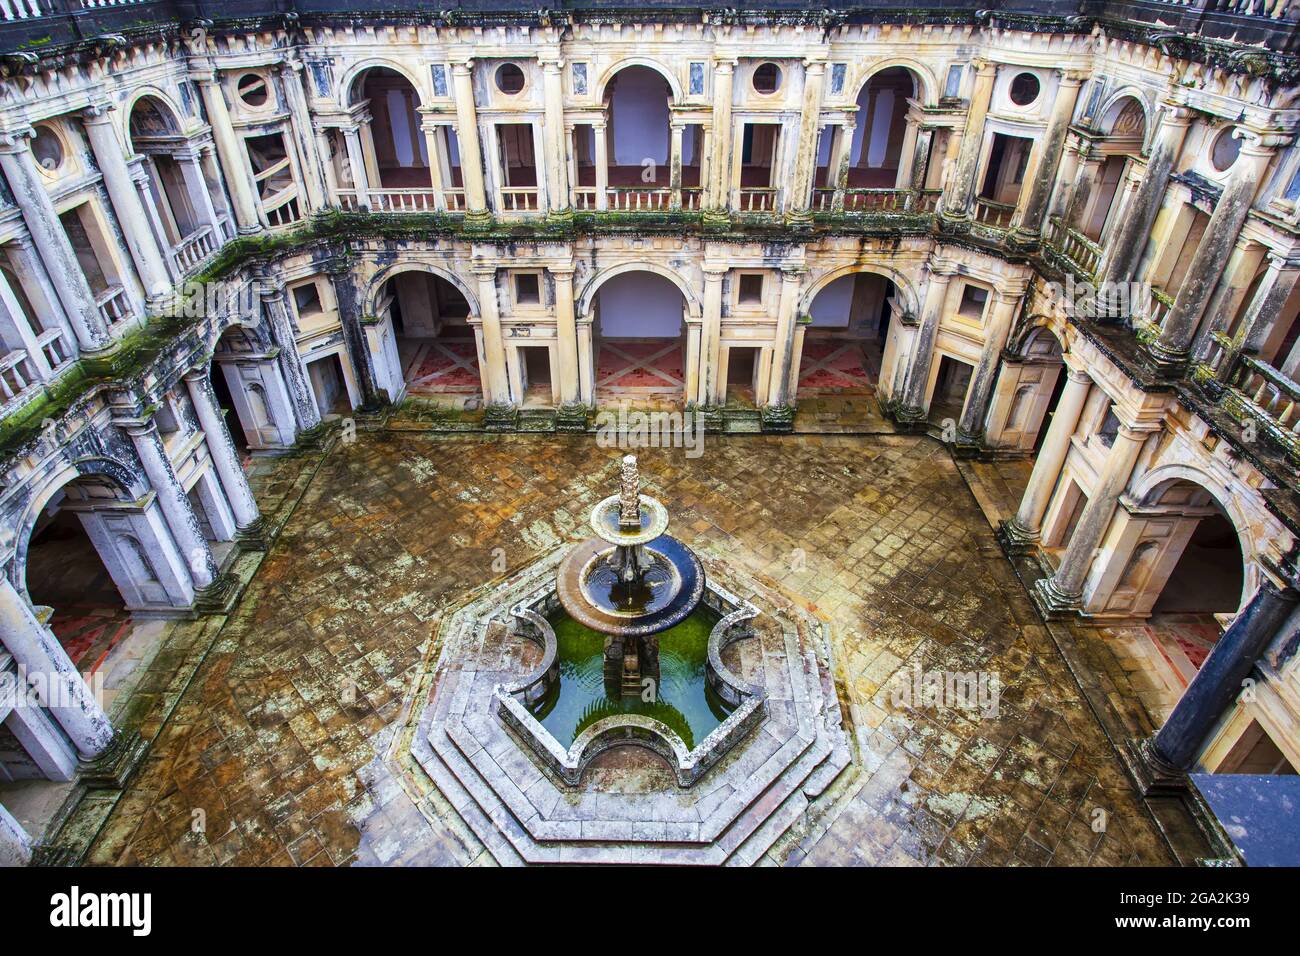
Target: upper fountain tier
632 578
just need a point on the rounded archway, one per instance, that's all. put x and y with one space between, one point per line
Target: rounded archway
176 185
876 152
1123 125
846 335
638 141
393 141
435 340
639 338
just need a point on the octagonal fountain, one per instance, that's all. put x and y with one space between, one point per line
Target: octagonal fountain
623 640
631 636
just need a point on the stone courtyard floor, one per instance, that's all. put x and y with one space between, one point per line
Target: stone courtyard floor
288 745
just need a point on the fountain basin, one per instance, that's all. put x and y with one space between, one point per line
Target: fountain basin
562 710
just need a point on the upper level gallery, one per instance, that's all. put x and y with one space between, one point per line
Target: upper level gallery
1121 141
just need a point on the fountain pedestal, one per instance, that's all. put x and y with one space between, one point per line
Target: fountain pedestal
630 582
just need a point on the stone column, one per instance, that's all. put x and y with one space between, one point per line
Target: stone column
291 79
1042 177
196 189
225 458
496 382
961 196
907 153
174 503
15 844
52 243
719 198
38 287
805 163
1128 242
911 407
1021 533
1224 304
1075 178
675 166
471 153
970 429
23 335
566 335
437 179
230 153
1265 308
1062 593
840 159
557 168
1175 747
600 146
292 368
357 164
111 159
49 670
1171 350
783 351
711 336
920 167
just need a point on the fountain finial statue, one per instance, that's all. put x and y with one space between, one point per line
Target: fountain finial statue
629 495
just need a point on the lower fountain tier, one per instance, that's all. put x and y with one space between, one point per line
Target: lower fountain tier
668 586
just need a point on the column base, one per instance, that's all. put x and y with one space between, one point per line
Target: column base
114 767
560 217
1168 362
1014 540
251 230
500 417
906 419
967 446
1053 603
777 419
799 219
716 219
571 417
1153 775
1021 239
218 597
481 220
254 535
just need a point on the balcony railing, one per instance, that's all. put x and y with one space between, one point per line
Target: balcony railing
1255 391
55 348
995 214
631 199
194 250
16 375
1082 252
518 199
758 199
114 305
390 200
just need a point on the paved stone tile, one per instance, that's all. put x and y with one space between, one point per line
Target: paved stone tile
288 738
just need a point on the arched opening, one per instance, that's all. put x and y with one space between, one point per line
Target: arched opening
1035 380
877 148
394 140
176 181
638 143
639 332
435 342
1124 128
69 582
244 381
844 341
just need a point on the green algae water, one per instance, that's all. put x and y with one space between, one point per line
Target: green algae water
686 703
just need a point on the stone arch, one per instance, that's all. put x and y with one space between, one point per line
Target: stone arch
1155 483
587 297
1116 107
357 70
380 279
901 283
674 85
925 81
117 474
1031 334
156 98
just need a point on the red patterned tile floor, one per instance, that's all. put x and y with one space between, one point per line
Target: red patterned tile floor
833 365
630 369
441 366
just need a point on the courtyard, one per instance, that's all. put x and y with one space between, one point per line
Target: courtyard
281 733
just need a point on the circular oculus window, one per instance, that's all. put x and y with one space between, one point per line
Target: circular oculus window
1024 89
767 78
1225 150
252 90
47 147
509 79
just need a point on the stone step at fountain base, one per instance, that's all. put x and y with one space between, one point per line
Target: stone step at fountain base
741 807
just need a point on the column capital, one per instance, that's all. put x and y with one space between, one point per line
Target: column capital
483 271
714 271
983 65
794 271
562 272
462 67
1074 77
725 64
96 112
551 63
815 64
16 140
